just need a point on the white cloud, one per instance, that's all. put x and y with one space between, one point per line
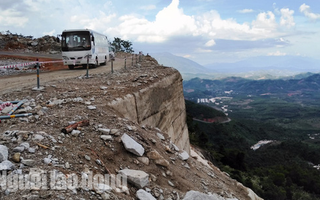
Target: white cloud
148 7
12 17
277 53
210 43
287 17
265 21
305 9
246 11
170 21
96 23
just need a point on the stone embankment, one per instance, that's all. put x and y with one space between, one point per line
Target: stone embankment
86 134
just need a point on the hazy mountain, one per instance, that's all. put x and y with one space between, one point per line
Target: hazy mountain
183 65
269 64
261 67
304 86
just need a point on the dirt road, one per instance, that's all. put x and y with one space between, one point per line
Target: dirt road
17 82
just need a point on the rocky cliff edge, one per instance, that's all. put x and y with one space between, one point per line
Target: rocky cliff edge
86 134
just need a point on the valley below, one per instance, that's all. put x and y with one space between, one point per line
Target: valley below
283 115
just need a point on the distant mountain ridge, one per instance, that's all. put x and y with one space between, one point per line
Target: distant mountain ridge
261 67
256 87
183 65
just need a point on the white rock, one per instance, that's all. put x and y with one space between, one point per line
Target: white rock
173 146
3 153
18 149
144 195
25 145
191 195
137 177
144 160
131 145
184 155
104 130
106 137
92 107
38 137
103 87
161 136
47 160
6 165
28 162
75 133
31 150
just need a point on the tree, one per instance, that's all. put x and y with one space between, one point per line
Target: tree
120 45
116 44
127 46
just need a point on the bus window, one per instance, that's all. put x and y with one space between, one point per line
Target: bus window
75 41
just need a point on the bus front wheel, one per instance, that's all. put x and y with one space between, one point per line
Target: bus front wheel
97 63
71 66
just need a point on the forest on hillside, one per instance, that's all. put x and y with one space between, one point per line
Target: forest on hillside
283 169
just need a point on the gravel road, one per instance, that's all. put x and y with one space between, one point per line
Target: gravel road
19 81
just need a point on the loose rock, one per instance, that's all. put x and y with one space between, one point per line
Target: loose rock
131 145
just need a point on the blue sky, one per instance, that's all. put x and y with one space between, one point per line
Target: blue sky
206 31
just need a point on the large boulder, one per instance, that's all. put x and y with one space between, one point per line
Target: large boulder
136 177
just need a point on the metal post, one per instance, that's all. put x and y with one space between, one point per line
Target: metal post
136 59
14 116
132 61
125 63
111 66
87 66
16 107
38 74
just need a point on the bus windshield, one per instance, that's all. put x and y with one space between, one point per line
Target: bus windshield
75 41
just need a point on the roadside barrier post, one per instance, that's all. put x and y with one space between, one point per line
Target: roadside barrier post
112 66
38 74
87 66
125 62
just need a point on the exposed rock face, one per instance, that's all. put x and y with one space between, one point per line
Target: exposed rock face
160 105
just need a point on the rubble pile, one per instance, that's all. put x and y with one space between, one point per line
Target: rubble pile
73 138
15 42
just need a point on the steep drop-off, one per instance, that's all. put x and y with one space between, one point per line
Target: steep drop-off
161 105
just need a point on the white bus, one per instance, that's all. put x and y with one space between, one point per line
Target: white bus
78 44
